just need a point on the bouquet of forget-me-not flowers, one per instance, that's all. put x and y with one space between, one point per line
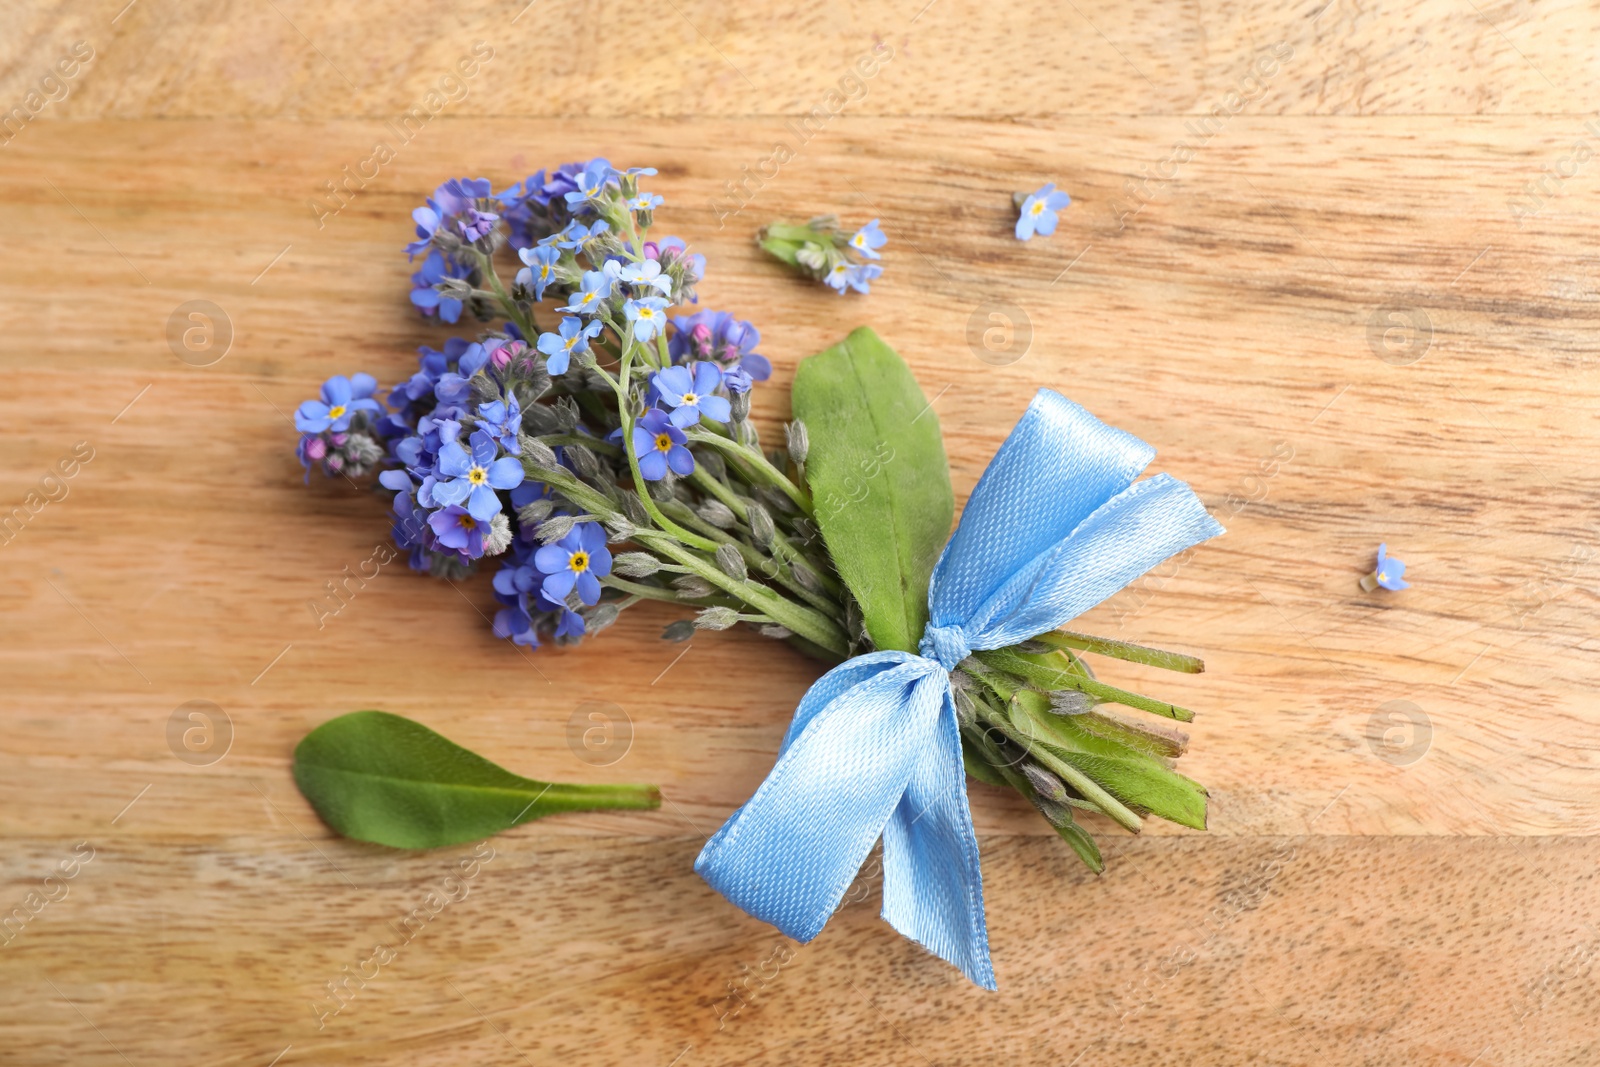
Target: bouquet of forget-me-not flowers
591 445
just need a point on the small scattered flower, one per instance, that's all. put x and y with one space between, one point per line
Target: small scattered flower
341 398
660 446
819 251
861 275
579 560
1038 212
573 337
1388 575
868 240
692 395
648 315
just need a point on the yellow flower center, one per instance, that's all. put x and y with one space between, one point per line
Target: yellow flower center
337 410
1038 207
691 398
663 442
466 521
579 562
477 475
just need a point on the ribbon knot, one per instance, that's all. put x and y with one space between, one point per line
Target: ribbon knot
1055 526
947 645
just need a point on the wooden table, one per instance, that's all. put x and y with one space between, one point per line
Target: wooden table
1336 262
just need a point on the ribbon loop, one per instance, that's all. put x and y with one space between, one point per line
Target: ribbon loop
1055 525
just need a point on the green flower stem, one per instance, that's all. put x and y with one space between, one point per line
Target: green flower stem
650 592
764 565
1105 646
1025 735
590 499
809 624
783 549
772 475
715 488
819 570
524 322
605 448
692 539
785 231
1032 670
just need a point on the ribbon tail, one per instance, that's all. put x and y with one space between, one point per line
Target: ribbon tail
932 881
790 853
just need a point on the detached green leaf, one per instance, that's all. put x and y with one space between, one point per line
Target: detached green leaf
879 479
383 778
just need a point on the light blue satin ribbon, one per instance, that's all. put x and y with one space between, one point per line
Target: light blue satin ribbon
1055 526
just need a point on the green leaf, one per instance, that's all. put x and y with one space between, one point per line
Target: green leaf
383 778
1105 646
1133 776
1084 845
879 479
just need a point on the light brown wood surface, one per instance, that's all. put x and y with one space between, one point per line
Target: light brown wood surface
1429 160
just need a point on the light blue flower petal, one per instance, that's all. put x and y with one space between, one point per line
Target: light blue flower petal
453 461
681 460
552 559
506 473
716 408
707 376
556 586
450 492
483 504
311 417
653 465
336 390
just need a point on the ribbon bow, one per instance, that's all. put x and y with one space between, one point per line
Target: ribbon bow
1055 526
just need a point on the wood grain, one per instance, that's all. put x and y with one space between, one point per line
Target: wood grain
1243 289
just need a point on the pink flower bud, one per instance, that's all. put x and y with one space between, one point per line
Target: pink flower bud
316 448
339 439
700 337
